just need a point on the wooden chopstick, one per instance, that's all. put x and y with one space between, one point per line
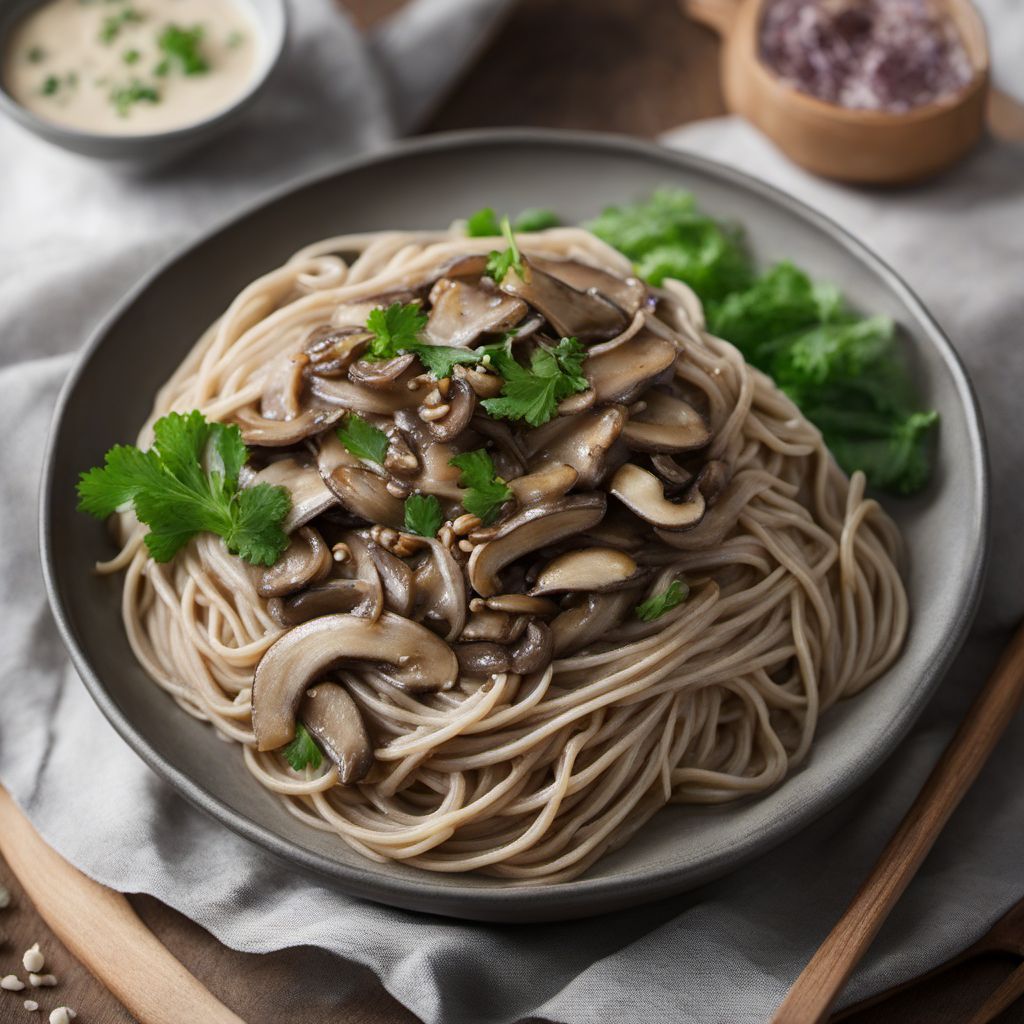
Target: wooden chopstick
821 981
104 933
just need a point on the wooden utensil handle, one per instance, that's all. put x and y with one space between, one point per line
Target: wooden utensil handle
717 15
815 990
101 930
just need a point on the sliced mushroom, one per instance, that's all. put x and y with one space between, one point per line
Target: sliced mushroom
508 452
282 387
572 313
534 651
310 495
550 481
460 312
359 565
582 442
408 655
261 432
713 479
527 530
366 495
670 471
666 424
484 385
461 402
494 627
326 599
334 719
577 403
397 579
352 397
400 459
522 604
641 492
622 373
331 350
591 569
440 590
380 374
437 475
587 622
629 293
483 658
306 560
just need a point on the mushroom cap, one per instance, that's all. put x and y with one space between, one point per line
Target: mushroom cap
528 530
642 492
550 481
258 431
406 653
589 569
324 599
306 560
582 441
310 495
366 495
460 312
628 293
461 401
622 373
666 424
587 622
381 374
333 717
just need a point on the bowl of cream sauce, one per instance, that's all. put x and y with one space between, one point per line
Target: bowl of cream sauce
135 80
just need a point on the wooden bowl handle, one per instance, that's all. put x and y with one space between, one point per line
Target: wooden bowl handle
717 15
102 930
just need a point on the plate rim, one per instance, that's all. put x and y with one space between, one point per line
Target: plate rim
584 896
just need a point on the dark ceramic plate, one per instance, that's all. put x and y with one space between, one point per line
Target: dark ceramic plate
426 184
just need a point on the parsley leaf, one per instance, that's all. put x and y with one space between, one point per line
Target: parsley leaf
483 224
499 263
182 45
50 85
423 515
187 483
485 492
533 393
363 439
656 606
303 751
113 23
440 359
535 219
125 96
395 329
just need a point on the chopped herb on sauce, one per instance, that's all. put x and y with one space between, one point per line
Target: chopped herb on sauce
182 45
36 55
113 23
131 56
51 85
124 97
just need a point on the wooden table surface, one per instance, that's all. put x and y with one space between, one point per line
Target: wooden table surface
634 66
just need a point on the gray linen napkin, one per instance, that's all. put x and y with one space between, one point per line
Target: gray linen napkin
72 236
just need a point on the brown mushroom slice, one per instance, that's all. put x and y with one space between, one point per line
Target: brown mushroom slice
437 476
713 479
439 588
522 604
461 402
572 313
407 654
483 658
494 626
670 471
396 578
310 495
325 599
548 482
360 565
579 402
587 622
258 431
380 374
366 495
534 651
306 560
336 723
666 424
628 293
591 569
527 530
331 350
460 312
508 456
352 397
642 493
582 442
622 373
282 387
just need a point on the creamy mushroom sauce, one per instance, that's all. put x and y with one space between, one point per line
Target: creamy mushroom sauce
131 67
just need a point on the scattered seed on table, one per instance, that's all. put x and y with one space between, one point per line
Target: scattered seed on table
33 960
42 980
31 1005
62 1015
11 983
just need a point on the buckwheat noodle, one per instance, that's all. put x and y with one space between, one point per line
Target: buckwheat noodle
795 602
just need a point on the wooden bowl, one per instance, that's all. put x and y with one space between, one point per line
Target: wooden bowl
865 146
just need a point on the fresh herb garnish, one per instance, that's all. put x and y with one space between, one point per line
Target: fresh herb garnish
533 393
50 85
656 606
500 262
484 223
124 97
363 439
113 23
395 330
440 360
163 68
485 491
36 55
842 370
182 45
303 751
187 483
423 515
131 56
